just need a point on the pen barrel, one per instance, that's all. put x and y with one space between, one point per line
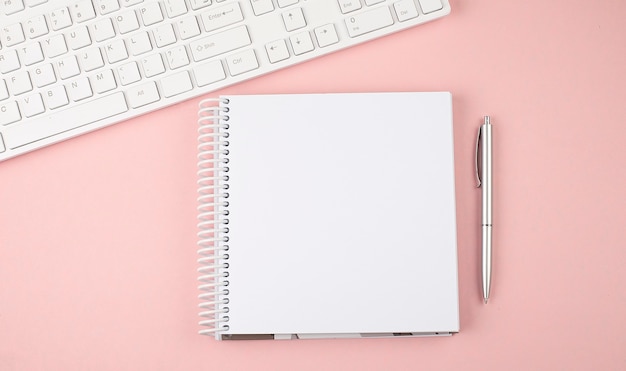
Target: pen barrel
487 173
486 254
487 196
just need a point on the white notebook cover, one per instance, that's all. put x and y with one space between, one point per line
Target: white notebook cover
341 216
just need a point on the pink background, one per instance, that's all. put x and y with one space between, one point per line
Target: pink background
97 235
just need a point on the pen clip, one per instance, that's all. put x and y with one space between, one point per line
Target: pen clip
478 150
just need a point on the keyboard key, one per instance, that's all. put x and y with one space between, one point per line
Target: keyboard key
43 75
294 19
60 19
55 46
220 43
142 95
128 3
91 59
164 35
369 21
20 83
56 97
9 113
4 92
242 62
301 43
284 3
33 3
12 35
216 18
13 6
36 27
127 22
31 54
116 51
32 105
174 8
82 11
348 6
188 27
78 38
107 6
68 67
372 2
9 61
209 73
199 4
177 57
151 13
429 6
103 30
176 84
277 51
262 6
139 43
59 122
80 89
2 146
152 65
128 73
326 35
405 10
103 81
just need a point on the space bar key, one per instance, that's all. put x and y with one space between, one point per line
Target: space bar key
59 122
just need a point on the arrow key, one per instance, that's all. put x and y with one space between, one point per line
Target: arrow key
294 19
326 35
277 51
301 43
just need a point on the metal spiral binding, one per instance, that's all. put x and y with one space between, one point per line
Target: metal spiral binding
213 215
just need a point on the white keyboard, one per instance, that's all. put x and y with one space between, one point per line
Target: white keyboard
70 67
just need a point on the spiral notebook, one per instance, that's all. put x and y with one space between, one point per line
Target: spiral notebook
327 215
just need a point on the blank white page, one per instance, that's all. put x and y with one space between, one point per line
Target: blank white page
342 214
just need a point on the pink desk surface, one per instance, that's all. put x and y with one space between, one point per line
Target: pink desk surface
97 234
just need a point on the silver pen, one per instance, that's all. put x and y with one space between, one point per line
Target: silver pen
484 176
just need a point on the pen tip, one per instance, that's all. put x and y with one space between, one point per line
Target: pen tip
486 301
